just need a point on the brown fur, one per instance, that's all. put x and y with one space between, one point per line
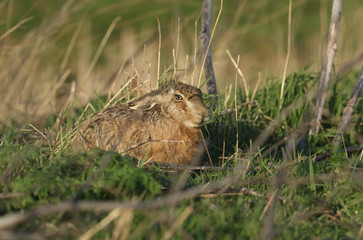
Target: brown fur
155 116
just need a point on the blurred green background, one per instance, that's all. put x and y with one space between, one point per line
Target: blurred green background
57 54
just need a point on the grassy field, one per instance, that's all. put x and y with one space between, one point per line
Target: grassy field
60 62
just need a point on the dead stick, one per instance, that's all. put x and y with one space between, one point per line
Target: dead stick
348 110
10 195
242 191
327 67
206 48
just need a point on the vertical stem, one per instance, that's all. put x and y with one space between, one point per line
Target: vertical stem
159 49
236 108
327 67
206 49
287 55
348 110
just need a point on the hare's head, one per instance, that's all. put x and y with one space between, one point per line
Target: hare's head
181 101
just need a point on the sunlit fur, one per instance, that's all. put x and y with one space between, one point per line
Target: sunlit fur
159 115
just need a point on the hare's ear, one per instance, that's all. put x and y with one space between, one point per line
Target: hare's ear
144 104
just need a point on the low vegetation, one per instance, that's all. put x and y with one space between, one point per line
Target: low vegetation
290 186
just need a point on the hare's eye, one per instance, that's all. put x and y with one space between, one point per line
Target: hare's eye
178 97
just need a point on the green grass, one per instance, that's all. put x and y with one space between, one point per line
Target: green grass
313 207
47 65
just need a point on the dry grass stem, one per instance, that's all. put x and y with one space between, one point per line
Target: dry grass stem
186 67
174 63
177 39
70 47
241 74
159 50
206 148
268 204
236 107
121 230
256 87
120 91
100 48
195 47
287 55
38 131
178 222
360 233
115 213
17 26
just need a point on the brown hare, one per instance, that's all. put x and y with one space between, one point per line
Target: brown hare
160 126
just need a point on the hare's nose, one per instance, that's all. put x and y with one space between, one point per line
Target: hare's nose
205 117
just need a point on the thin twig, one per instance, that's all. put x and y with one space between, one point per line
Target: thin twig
58 117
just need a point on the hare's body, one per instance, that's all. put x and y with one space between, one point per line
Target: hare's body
162 126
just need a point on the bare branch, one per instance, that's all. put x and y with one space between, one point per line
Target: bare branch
348 110
327 67
205 45
243 191
10 195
